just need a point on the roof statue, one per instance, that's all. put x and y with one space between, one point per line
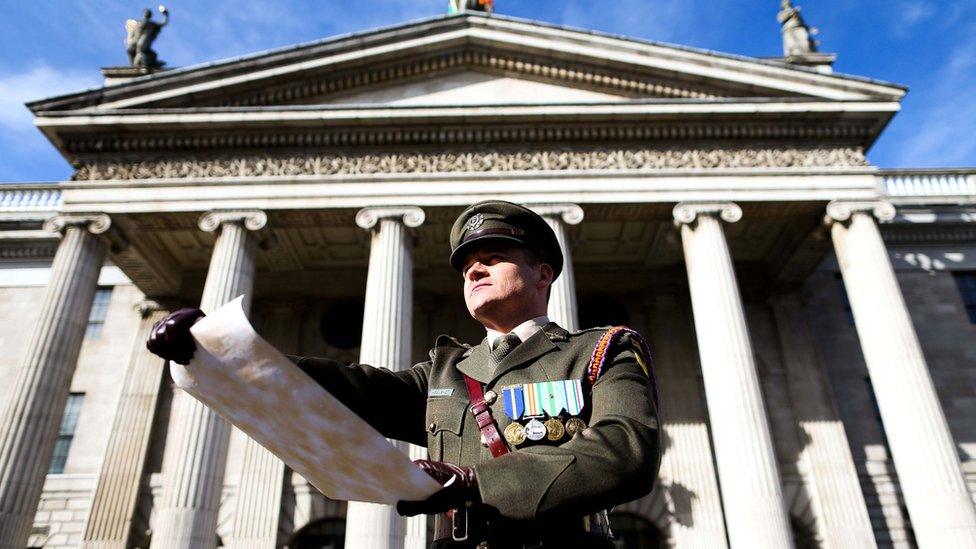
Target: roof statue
797 35
139 36
460 6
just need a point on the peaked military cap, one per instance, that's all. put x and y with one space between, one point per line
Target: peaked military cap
500 221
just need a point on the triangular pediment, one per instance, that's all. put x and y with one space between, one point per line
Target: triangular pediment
471 60
468 88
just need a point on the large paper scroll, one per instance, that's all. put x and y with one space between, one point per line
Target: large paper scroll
248 382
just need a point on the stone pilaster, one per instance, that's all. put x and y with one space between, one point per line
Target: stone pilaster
562 300
196 450
29 425
258 506
924 454
687 469
842 513
755 511
387 329
116 495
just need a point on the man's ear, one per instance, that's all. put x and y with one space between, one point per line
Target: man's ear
546 273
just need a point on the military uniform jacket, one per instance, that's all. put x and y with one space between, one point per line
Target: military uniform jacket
613 461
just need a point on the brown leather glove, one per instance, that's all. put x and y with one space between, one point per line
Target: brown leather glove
460 487
170 337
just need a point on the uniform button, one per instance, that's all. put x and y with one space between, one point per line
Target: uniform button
432 427
491 397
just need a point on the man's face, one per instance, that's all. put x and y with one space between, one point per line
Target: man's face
499 282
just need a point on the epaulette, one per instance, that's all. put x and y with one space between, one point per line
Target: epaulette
445 340
604 351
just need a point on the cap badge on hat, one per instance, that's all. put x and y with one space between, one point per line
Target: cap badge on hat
476 221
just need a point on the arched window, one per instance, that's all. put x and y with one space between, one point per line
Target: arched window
325 533
632 531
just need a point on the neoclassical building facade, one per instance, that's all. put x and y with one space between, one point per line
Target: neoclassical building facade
811 316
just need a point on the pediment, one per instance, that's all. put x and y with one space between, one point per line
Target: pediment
471 60
468 88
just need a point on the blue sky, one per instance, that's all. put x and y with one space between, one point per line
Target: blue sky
55 46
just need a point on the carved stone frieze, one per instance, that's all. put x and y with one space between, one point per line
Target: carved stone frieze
602 159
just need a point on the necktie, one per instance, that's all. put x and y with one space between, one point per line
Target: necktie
503 346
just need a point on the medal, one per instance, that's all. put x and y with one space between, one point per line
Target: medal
555 428
574 425
515 434
535 430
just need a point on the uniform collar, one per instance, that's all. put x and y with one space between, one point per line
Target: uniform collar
524 330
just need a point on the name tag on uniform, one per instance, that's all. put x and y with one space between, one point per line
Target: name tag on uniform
445 392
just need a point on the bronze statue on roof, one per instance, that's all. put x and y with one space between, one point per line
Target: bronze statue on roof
139 36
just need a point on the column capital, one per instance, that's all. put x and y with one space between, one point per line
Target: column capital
686 213
252 220
842 210
94 223
571 214
411 216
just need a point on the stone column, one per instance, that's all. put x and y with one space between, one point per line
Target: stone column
687 469
842 515
196 449
755 513
562 301
29 425
387 328
258 507
117 492
924 454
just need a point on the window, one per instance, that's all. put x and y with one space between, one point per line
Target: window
966 282
66 432
843 299
99 311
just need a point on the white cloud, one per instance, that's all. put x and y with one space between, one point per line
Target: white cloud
945 114
909 14
36 83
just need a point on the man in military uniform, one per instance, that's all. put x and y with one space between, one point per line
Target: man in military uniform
535 432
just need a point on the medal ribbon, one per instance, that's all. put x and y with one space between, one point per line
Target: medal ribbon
514 401
548 397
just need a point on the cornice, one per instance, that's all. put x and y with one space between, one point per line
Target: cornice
466 161
99 144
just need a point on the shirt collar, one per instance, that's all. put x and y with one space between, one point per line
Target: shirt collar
524 330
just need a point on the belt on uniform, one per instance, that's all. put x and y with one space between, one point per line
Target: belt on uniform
471 526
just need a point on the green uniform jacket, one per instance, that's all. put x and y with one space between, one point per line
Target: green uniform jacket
613 461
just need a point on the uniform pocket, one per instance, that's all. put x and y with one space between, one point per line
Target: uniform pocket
445 421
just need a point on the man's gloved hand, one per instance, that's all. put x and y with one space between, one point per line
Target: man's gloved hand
170 337
460 487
